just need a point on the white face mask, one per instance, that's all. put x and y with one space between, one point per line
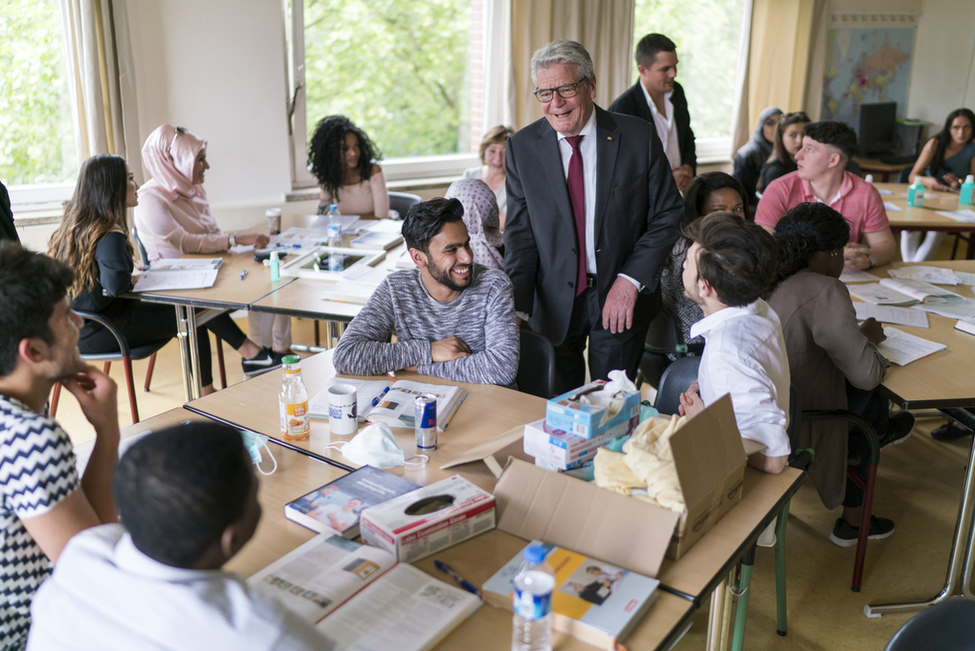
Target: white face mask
254 442
374 446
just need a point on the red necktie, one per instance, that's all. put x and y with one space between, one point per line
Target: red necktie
577 194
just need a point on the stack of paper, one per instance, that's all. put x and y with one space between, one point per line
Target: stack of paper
886 314
964 215
902 348
936 275
857 276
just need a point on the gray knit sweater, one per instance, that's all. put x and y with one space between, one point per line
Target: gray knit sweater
483 317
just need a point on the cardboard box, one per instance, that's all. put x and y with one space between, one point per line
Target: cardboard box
589 421
405 528
560 450
710 457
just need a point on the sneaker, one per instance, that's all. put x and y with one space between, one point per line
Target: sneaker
265 361
899 429
951 431
845 534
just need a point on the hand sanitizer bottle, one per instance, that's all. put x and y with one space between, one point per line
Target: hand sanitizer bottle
966 197
915 195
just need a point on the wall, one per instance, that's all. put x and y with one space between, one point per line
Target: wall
218 68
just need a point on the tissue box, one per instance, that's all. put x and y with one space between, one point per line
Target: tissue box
558 450
424 521
564 413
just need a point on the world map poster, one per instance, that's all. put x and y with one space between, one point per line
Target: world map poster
866 65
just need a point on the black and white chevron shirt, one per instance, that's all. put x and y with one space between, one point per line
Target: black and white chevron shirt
37 470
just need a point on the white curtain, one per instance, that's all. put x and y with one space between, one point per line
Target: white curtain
603 27
100 79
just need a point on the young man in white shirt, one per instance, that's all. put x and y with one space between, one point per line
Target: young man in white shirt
727 269
188 498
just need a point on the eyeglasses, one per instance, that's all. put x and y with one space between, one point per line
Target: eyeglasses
567 91
179 130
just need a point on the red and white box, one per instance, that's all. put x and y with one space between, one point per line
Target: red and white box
428 519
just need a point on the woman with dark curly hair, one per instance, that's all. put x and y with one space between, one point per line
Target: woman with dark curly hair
834 362
341 156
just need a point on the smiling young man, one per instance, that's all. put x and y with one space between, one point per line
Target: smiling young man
43 502
188 500
452 318
821 176
661 101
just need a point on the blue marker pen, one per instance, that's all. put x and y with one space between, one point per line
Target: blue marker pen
375 401
461 581
243 273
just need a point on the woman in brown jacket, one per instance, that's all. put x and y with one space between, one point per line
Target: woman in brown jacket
834 362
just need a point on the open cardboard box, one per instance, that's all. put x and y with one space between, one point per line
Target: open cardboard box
534 503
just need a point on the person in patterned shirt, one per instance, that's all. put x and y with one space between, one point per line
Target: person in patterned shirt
42 501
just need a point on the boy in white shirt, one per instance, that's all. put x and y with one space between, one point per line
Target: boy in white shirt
726 271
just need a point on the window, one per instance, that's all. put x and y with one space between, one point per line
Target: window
400 69
707 34
37 139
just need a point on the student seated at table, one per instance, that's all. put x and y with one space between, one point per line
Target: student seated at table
728 268
453 318
342 158
945 161
44 504
755 153
834 362
826 148
187 496
173 218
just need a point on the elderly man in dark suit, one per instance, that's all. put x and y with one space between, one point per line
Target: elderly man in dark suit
660 100
592 214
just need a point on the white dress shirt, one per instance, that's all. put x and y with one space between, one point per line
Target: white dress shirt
666 126
105 594
745 356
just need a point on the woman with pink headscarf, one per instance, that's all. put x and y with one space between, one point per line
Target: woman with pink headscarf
482 220
173 218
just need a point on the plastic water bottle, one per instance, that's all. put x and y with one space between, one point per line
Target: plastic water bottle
533 586
967 192
915 195
868 178
334 229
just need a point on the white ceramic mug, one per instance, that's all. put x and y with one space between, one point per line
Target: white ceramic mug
342 409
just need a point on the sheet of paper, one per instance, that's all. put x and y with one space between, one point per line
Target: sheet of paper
888 314
884 192
857 276
879 295
164 280
902 348
889 207
242 248
965 278
933 275
964 215
366 274
959 310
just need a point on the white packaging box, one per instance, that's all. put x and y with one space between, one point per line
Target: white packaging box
559 450
391 526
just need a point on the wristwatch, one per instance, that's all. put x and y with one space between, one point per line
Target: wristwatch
873 261
232 239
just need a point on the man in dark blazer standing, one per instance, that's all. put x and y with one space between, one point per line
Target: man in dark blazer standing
656 61
592 214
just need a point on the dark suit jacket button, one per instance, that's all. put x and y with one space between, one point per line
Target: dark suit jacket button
570 284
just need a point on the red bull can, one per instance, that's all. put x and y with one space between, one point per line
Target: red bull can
425 422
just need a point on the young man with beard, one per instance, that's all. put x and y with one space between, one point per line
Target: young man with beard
728 268
42 501
453 319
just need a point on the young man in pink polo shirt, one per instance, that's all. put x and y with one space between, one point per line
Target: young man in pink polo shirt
821 176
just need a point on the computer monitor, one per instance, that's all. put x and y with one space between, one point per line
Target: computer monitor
877 132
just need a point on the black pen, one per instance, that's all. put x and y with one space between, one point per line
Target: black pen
464 583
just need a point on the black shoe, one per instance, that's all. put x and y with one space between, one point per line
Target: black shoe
845 534
950 432
899 428
265 361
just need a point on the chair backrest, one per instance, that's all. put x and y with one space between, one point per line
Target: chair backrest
536 366
675 381
904 176
663 334
947 626
142 249
401 202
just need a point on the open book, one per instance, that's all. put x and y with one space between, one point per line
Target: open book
594 602
362 599
392 402
904 291
178 273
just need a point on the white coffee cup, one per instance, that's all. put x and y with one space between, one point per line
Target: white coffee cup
342 409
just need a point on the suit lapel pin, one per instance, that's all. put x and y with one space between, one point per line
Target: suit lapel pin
609 137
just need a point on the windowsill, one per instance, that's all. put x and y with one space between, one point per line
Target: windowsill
311 193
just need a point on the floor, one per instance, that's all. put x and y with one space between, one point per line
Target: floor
918 486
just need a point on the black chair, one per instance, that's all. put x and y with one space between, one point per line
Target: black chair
904 176
675 381
124 353
947 626
536 366
402 201
142 249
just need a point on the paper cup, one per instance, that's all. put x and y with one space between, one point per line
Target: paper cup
342 409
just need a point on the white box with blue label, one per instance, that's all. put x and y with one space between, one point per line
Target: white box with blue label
560 450
570 413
